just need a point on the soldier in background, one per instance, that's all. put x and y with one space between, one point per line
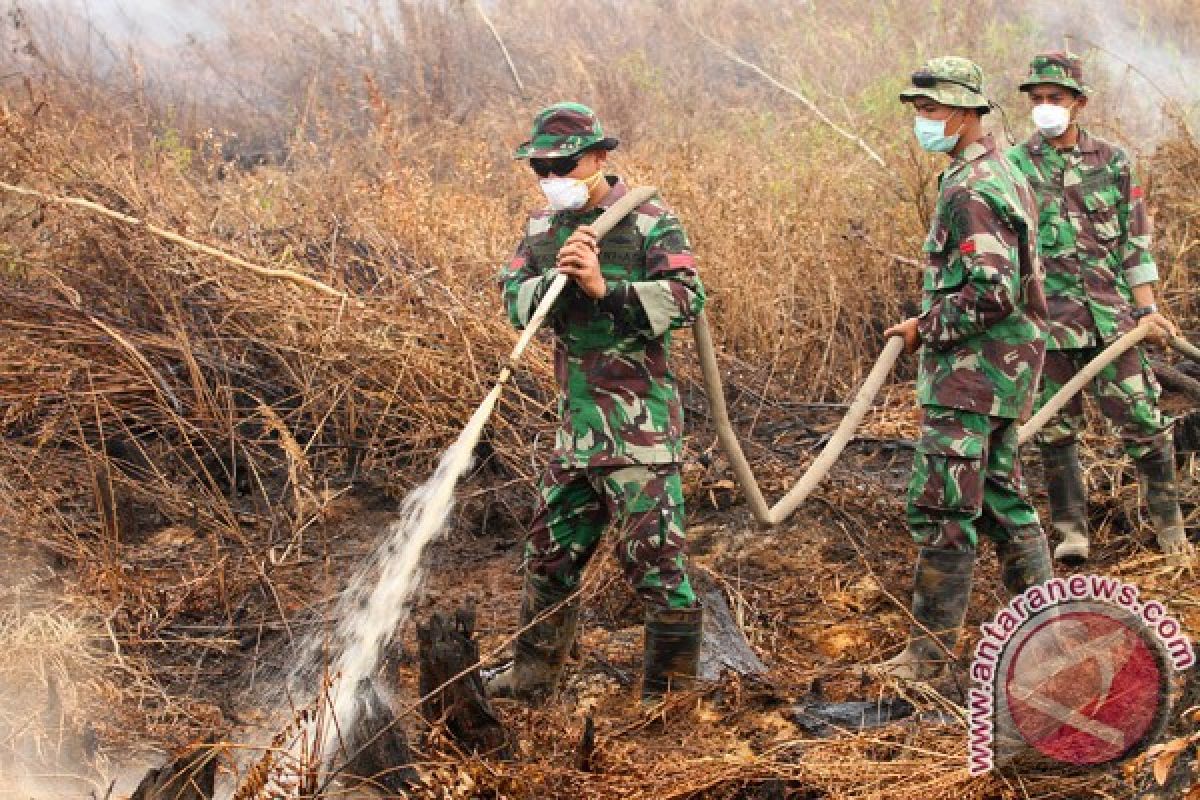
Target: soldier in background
617 451
981 353
1094 237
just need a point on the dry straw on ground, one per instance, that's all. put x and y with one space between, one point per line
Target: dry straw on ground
195 448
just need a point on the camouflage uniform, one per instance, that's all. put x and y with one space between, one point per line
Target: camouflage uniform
618 448
1094 237
981 354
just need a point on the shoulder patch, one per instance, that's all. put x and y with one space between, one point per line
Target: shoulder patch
647 215
1107 151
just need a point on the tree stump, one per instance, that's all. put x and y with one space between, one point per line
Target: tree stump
191 776
725 646
447 648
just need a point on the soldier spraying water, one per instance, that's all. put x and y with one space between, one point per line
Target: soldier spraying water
981 351
617 450
1094 234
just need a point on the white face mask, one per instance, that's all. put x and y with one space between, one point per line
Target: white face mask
1051 120
568 194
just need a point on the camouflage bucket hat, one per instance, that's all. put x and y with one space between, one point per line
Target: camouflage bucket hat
564 129
1063 69
951 81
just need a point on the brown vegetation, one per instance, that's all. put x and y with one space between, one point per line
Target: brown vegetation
201 454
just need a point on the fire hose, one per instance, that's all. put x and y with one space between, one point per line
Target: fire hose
862 403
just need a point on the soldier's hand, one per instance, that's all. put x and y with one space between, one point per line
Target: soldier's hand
1162 329
579 260
584 233
906 330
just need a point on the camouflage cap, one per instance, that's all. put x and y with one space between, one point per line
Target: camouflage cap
1063 69
951 81
564 129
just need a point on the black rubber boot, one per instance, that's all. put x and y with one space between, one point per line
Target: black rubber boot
1024 561
672 650
941 591
1068 501
541 649
1186 433
1156 474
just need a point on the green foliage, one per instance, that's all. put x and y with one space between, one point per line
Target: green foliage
641 72
169 144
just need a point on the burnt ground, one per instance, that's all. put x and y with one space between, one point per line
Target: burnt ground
817 597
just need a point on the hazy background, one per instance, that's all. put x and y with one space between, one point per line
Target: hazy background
170 423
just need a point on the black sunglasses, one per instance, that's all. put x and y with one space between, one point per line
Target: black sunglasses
924 79
545 167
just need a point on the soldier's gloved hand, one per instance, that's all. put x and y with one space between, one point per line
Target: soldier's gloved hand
906 330
579 260
1163 330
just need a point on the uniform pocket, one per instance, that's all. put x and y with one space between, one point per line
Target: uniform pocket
948 466
1101 206
947 483
1049 202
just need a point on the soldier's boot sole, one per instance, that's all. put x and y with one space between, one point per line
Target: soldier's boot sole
671 658
941 591
1067 496
1074 549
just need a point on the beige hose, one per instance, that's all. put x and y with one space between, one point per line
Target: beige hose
1185 348
833 448
862 402
1106 357
720 416
1081 379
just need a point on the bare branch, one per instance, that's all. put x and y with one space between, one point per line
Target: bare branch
794 93
265 272
508 58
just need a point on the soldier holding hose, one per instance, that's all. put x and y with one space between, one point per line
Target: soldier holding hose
1094 234
981 351
617 451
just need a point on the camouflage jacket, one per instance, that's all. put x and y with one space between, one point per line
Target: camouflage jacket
1094 236
618 402
982 305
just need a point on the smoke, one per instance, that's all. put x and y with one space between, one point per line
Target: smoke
158 23
1139 66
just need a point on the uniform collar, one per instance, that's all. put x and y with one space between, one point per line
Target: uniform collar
972 152
977 149
617 189
1085 143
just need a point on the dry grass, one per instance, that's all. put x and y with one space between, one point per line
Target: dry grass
192 445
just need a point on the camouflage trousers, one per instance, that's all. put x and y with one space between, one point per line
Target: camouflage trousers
967 480
1126 392
646 504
